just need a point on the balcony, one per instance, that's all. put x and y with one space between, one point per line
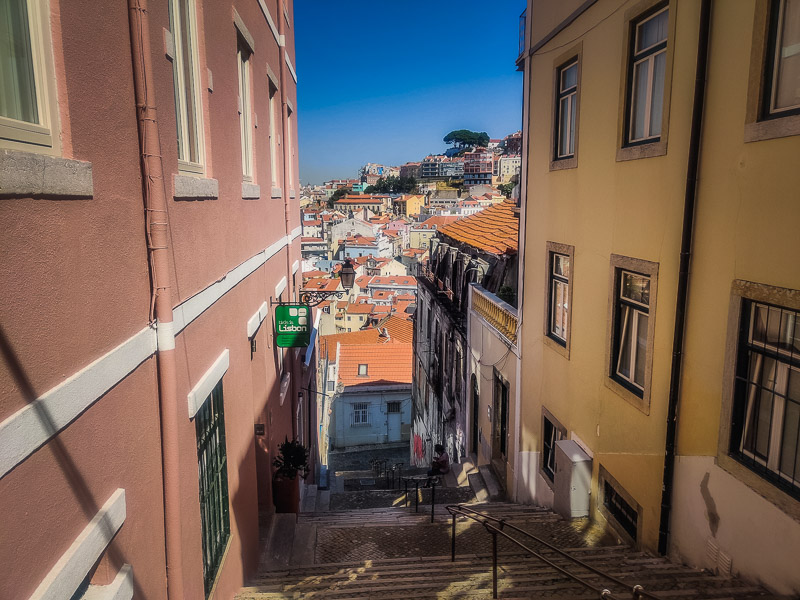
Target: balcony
522 20
500 315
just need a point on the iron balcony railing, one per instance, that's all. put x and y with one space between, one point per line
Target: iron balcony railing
496 527
500 315
522 20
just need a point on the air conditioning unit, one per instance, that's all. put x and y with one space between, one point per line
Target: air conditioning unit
573 480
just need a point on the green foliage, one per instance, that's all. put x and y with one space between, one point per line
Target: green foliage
338 194
292 458
461 138
506 189
392 185
507 294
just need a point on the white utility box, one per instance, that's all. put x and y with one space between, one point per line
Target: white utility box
573 480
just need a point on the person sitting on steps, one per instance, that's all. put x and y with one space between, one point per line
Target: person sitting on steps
440 464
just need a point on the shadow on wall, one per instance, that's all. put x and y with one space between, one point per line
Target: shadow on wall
113 558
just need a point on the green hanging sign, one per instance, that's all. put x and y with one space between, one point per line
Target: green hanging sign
292 325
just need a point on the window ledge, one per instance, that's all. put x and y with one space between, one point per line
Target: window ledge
291 194
277 192
642 151
564 163
563 350
186 187
772 128
29 175
643 404
251 191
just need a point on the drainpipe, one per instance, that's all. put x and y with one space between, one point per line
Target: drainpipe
157 231
287 157
683 276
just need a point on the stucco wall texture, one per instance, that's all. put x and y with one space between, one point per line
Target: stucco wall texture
75 284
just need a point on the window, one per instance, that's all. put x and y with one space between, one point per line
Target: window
360 414
362 370
559 297
290 151
274 106
630 342
646 75
619 508
501 413
765 430
213 472
782 77
245 113
551 433
566 109
331 386
27 106
392 407
188 114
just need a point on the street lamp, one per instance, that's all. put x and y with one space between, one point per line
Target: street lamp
347 277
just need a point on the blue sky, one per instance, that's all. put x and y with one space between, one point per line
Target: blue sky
384 81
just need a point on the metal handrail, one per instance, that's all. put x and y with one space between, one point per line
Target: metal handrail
637 590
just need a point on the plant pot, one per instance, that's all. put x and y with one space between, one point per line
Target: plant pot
286 494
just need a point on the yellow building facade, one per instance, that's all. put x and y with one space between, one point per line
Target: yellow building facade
610 98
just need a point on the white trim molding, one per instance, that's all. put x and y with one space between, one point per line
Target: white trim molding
165 334
119 589
207 382
72 568
290 66
255 321
23 432
280 287
296 232
31 426
295 266
278 38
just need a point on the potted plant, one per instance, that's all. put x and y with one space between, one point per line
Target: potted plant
292 459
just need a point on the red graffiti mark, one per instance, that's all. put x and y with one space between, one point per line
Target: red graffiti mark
419 451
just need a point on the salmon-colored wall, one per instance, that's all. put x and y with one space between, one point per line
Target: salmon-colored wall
75 284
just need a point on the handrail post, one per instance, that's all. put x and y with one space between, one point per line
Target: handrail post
405 481
637 591
453 539
416 496
433 499
494 564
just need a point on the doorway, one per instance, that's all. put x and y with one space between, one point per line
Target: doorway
500 428
394 421
475 408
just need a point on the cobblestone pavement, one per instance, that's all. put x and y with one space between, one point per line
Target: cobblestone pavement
341 544
387 498
358 459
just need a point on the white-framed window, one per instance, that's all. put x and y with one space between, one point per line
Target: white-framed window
782 92
632 326
362 370
646 73
551 433
28 107
243 54
559 297
360 415
186 79
566 109
766 418
274 119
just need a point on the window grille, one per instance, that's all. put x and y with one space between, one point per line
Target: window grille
550 436
623 513
360 415
213 472
765 432
392 407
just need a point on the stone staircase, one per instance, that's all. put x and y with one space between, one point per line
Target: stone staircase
397 553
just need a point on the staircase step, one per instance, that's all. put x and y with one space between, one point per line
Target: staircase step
304 543
281 539
323 501
492 487
478 487
309 502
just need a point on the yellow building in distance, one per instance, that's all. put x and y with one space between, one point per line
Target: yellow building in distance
676 379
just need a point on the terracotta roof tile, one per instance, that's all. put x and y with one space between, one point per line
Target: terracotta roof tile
399 329
327 343
321 284
359 309
386 363
495 229
404 280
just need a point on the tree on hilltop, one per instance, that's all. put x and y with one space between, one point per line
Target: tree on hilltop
338 194
462 138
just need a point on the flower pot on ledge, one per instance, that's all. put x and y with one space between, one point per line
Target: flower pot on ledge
286 494
291 463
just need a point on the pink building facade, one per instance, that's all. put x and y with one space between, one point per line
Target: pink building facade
142 397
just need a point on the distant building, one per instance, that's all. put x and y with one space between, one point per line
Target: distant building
513 143
478 167
420 234
354 202
507 167
409 205
411 169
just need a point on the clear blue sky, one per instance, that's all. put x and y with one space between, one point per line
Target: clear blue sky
384 81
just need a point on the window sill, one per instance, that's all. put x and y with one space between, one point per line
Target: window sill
643 404
642 151
251 191
772 129
760 485
29 175
564 163
292 194
188 187
559 348
277 192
